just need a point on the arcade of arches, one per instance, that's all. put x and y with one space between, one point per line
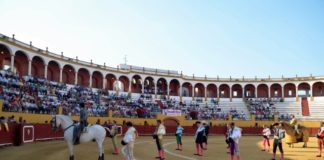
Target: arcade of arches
22 64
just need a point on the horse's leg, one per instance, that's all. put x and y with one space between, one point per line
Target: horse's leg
70 146
101 154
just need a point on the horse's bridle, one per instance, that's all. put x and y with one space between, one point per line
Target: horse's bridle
54 125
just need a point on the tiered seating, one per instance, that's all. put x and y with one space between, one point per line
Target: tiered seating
316 108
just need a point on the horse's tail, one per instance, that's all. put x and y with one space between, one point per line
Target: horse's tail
107 131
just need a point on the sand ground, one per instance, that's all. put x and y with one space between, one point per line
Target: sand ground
145 149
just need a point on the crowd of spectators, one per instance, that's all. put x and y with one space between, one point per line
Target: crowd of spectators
34 95
262 108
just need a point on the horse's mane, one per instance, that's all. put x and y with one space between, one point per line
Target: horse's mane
300 126
66 118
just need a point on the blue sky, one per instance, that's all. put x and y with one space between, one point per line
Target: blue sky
225 38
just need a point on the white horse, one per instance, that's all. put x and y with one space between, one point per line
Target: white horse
94 132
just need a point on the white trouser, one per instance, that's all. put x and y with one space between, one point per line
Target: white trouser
129 151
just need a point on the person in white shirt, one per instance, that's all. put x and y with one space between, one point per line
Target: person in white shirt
266 132
129 140
235 134
320 137
158 136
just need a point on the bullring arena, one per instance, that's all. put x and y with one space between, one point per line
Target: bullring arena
51 84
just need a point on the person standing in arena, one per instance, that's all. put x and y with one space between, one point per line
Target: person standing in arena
129 140
294 124
266 132
279 134
158 136
235 134
205 136
199 138
320 137
113 135
83 122
178 134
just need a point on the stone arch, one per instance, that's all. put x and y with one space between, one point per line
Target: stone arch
263 91
83 77
5 57
211 91
224 91
290 90
110 79
199 90
237 91
318 89
149 85
125 81
174 87
186 89
304 87
38 67
97 80
53 71
21 63
249 91
68 74
136 84
162 86
276 90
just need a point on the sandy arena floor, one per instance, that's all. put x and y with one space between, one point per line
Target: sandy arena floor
145 149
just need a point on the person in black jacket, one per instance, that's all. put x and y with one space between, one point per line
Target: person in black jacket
205 136
199 138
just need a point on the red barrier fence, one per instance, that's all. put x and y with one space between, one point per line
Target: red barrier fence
24 133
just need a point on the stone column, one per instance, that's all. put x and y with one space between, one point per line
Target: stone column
29 67
90 81
76 78
12 63
45 71
61 75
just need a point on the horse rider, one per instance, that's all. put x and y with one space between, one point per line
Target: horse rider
83 121
293 123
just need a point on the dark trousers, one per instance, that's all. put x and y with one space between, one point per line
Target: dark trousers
277 143
158 144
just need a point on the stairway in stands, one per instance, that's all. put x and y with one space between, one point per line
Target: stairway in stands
305 107
238 105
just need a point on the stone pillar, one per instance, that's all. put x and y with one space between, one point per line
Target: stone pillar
282 92
218 91
256 92
130 87
155 90
193 92
29 67
104 82
168 91
206 94
12 63
76 78
143 86
269 92
61 75
45 71
231 94
180 94
297 98
311 94
90 81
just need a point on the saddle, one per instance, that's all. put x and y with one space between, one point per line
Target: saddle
77 132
